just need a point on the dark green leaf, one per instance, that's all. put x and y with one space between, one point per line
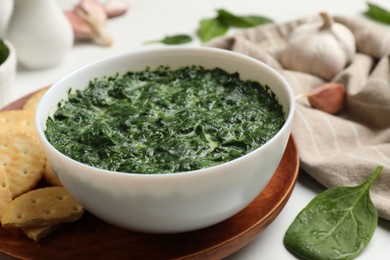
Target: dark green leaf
173 39
211 28
177 39
336 224
4 52
242 21
378 13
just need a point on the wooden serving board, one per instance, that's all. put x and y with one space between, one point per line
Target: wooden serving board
93 238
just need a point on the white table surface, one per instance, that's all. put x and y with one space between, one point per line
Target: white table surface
153 19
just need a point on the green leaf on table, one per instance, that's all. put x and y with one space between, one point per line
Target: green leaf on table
337 224
378 13
172 40
4 52
211 28
242 21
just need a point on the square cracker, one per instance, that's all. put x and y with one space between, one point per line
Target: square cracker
5 193
22 158
42 207
37 233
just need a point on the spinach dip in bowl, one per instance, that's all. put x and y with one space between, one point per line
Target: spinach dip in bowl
165 120
167 140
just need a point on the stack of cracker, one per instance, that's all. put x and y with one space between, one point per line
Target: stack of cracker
23 164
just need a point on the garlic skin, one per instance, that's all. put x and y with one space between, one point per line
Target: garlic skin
322 48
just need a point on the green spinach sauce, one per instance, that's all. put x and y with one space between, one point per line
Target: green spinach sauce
164 120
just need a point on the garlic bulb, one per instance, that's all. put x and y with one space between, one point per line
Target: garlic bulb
322 48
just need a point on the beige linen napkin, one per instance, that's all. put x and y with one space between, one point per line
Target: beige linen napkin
343 149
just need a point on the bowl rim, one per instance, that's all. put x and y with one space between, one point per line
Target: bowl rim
210 50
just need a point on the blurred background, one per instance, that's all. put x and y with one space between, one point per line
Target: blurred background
147 20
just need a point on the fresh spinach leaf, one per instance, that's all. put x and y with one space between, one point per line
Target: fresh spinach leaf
211 28
173 39
242 21
219 25
4 52
336 224
378 13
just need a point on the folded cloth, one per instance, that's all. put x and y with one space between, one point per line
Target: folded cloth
340 150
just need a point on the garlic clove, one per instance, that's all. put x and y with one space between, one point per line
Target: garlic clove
115 8
93 13
102 36
81 29
329 97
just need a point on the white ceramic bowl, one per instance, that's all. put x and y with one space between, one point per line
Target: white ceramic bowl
7 75
166 203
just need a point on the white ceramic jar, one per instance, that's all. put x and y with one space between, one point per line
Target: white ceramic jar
40 33
6 7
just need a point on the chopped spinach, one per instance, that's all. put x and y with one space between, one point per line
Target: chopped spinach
337 224
4 52
164 120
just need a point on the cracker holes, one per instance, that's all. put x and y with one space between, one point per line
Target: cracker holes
61 197
48 211
76 208
26 123
4 164
19 216
4 185
33 201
